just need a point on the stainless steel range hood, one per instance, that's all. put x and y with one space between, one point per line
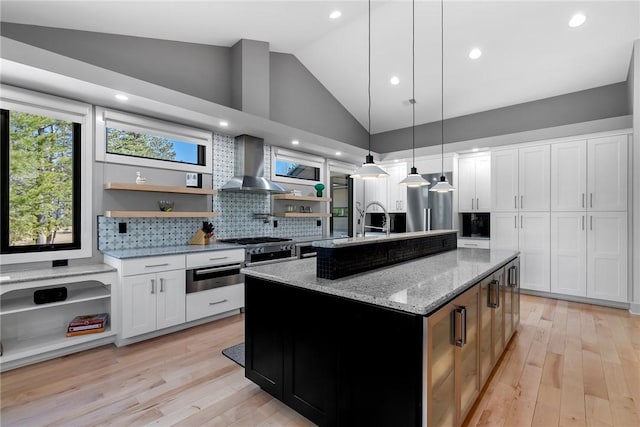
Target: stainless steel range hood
249 168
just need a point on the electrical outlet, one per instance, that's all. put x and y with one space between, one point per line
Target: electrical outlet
275 223
319 223
122 227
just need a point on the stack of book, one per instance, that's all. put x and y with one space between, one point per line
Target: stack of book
87 324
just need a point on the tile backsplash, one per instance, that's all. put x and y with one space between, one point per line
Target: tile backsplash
236 213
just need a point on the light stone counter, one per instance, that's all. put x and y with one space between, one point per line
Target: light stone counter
367 240
169 250
419 286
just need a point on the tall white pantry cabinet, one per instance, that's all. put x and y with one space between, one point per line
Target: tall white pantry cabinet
589 218
564 206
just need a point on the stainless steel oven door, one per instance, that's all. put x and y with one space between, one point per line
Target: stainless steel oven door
202 279
270 261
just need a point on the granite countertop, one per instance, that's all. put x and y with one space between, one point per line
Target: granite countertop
11 277
169 250
419 286
354 241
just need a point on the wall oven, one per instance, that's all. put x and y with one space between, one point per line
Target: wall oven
203 279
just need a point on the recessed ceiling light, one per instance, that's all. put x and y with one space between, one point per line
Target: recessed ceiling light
394 81
335 14
121 97
338 153
224 124
295 142
475 53
475 150
577 20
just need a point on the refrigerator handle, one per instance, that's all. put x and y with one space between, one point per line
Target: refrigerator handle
427 219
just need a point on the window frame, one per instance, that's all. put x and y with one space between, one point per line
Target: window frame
15 99
105 118
296 157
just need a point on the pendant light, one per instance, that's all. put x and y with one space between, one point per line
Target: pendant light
369 170
443 185
414 179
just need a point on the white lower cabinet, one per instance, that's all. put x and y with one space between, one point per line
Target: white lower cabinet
527 232
589 254
152 301
214 301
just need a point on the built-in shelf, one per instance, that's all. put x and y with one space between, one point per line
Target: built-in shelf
302 215
18 349
159 188
17 305
301 198
158 214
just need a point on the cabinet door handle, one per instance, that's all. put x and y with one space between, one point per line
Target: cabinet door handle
472 203
513 270
590 200
153 286
583 200
161 285
460 322
477 204
591 223
515 221
583 222
218 258
469 244
521 222
497 294
492 293
156 265
217 302
515 202
521 202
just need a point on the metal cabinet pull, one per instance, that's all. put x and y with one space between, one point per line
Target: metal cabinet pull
521 221
161 285
591 222
477 204
590 200
157 265
521 202
217 302
513 271
583 200
583 222
515 221
153 286
461 337
218 258
472 203
497 294
515 202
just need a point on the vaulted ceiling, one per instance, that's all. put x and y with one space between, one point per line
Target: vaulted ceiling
528 50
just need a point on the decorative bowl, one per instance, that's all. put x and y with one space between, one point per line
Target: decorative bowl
166 205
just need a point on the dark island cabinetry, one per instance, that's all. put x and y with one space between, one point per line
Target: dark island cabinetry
335 361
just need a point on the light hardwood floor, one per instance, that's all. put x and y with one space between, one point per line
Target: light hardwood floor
569 364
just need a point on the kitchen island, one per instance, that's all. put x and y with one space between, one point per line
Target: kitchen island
405 345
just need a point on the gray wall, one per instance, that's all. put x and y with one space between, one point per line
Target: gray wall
250 77
299 100
577 107
195 69
630 83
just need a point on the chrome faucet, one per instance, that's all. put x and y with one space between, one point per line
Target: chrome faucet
386 218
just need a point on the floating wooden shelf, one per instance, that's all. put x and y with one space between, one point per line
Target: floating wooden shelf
302 215
158 214
159 188
301 198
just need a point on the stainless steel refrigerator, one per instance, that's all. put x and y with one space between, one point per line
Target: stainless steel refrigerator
428 210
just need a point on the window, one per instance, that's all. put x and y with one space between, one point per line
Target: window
130 139
293 167
41 183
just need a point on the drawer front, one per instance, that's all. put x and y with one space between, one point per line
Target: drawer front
473 243
152 264
213 258
214 301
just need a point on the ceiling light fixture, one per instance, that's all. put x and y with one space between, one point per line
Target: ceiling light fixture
335 14
369 170
338 153
224 124
394 80
121 97
295 142
577 20
443 185
475 53
414 179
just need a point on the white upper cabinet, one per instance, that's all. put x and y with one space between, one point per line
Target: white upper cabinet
396 192
534 178
376 190
474 184
607 173
569 176
504 180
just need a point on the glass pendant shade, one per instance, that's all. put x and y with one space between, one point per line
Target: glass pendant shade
442 186
414 179
369 170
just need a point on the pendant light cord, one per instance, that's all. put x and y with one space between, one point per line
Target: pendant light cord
369 74
442 80
413 83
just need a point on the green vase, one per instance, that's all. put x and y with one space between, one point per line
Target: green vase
319 188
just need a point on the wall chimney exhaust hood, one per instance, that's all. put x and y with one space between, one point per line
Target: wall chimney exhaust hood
249 168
